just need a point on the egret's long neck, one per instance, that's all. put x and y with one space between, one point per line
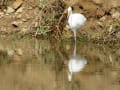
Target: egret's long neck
70 12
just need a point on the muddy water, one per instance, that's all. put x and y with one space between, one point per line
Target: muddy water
30 64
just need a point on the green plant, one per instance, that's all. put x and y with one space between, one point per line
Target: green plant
49 18
42 3
41 31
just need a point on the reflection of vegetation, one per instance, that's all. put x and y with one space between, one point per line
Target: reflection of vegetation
3 57
4 2
53 56
105 54
75 86
59 52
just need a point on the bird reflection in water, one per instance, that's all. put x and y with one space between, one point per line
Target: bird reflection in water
75 64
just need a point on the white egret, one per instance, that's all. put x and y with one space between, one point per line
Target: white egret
75 20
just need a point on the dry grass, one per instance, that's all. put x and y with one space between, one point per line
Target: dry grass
50 19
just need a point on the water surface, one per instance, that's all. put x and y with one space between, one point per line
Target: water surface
30 64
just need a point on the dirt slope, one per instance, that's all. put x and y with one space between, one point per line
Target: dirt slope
23 16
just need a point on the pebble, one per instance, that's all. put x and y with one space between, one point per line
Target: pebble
17 4
7 14
23 30
100 24
19 16
1 13
24 20
116 15
20 10
16 23
103 18
9 10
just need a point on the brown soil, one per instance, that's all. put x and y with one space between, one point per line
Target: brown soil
23 18
103 23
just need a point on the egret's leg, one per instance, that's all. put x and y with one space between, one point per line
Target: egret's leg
74 53
74 31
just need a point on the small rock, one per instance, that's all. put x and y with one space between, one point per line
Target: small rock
24 20
9 10
67 27
100 24
19 16
24 30
116 15
19 51
36 24
4 10
110 28
28 18
103 18
17 4
1 13
20 10
67 47
16 23
112 11
7 14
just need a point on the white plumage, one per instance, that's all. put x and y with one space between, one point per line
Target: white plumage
75 20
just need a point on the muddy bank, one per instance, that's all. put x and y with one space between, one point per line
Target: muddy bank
42 19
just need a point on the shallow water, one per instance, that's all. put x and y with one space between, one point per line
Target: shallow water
30 64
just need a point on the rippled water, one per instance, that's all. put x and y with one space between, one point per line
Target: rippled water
49 65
